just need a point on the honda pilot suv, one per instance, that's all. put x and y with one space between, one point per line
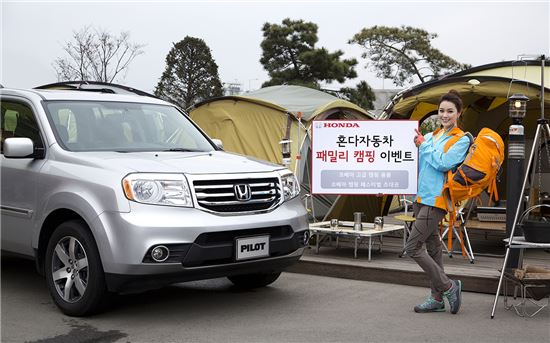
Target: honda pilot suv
117 193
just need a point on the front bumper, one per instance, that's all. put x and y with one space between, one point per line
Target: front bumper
205 241
123 283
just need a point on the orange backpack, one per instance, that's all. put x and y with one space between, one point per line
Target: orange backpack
477 173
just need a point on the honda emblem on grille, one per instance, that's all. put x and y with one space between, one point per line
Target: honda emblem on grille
242 192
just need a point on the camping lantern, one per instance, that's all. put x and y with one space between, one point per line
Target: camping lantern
518 106
285 151
515 171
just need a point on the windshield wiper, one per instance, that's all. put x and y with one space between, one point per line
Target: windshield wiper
182 150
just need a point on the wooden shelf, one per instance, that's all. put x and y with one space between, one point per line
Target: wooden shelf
489 226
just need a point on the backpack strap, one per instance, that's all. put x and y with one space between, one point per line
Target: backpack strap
492 190
455 138
450 229
457 135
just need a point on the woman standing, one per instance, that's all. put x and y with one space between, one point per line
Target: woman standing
435 159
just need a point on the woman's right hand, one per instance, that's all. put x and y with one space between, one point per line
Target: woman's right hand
419 138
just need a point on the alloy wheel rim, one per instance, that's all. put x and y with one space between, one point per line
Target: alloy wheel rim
70 269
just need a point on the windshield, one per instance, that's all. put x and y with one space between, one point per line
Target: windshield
123 127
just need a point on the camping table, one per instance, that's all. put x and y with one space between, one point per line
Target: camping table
345 229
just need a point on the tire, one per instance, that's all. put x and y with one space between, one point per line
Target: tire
249 281
73 269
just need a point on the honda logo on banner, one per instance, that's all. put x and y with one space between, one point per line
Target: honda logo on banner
242 192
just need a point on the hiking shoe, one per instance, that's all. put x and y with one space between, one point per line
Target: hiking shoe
430 305
454 296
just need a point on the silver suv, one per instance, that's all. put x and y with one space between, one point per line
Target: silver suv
122 193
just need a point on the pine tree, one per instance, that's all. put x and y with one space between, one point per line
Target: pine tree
191 74
403 53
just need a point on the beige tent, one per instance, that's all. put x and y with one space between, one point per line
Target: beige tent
485 91
255 123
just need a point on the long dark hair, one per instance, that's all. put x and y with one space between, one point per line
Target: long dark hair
453 97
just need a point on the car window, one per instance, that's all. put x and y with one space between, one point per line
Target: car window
120 126
17 120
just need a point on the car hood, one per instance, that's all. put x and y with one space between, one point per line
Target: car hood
214 162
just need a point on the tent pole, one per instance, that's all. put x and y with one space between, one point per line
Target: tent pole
331 207
301 147
298 151
542 57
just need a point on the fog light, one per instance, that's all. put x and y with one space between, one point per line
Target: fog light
160 253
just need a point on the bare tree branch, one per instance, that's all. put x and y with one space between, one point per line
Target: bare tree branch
96 55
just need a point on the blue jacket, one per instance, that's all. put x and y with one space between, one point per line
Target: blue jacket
434 163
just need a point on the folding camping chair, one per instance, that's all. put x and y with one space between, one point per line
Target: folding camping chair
460 232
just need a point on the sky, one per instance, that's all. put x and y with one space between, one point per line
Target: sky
474 32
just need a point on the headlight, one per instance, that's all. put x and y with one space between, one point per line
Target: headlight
158 189
290 184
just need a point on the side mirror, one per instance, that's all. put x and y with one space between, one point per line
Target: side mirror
218 143
18 147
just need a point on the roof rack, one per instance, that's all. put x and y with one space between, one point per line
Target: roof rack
95 86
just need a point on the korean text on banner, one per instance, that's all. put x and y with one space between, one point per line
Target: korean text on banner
364 157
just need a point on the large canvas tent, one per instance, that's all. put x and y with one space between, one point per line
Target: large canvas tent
485 91
255 123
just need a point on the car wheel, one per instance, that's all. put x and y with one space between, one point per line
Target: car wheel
253 280
73 270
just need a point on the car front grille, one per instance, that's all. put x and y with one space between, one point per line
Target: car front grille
221 195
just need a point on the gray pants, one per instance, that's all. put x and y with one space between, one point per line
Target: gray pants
430 259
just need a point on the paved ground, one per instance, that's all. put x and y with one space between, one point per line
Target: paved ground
297 308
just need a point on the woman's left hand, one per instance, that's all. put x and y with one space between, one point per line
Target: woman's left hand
419 138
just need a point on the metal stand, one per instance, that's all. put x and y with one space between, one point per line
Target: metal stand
542 124
524 288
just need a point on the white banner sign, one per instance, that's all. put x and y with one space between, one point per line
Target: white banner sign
364 157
